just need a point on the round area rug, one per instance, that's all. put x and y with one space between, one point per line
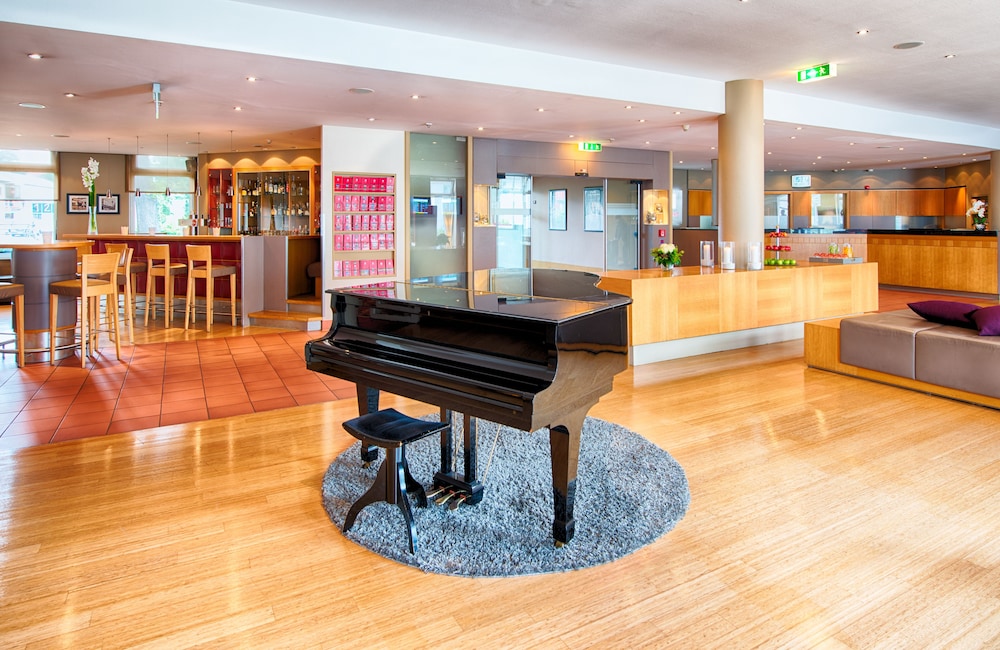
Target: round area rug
629 493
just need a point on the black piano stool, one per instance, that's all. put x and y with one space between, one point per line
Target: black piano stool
392 431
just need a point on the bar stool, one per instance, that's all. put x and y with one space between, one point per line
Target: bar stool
200 267
15 293
98 277
134 269
392 431
158 265
126 278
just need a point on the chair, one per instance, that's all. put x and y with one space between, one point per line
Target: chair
15 293
200 267
98 277
158 265
134 269
126 278
392 431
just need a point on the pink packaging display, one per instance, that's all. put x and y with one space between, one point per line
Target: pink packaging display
338 242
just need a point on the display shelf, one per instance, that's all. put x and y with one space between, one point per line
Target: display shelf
275 201
364 224
220 198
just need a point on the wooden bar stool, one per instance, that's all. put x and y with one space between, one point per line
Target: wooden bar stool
392 431
126 278
135 267
15 293
158 265
98 277
200 267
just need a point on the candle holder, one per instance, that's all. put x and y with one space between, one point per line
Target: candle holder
727 256
755 255
707 250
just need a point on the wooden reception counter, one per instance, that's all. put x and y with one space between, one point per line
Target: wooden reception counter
270 269
693 310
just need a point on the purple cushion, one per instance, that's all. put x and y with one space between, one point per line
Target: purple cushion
987 320
946 312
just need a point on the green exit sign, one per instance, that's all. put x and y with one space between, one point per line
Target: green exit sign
589 146
817 72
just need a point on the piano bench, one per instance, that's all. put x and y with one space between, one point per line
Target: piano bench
392 431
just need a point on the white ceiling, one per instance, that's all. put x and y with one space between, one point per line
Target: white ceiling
493 63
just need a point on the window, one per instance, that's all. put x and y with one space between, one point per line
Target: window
27 195
152 207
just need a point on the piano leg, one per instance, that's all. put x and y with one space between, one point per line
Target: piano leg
564 441
367 403
468 483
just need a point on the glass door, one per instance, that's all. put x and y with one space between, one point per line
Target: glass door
622 231
513 221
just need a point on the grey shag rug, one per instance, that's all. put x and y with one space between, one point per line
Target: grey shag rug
629 493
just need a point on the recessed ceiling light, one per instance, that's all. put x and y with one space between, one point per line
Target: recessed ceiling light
35 55
414 96
70 95
480 128
950 56
31 105
251 79
862 32
59 135
677 112
237 108
371 119
540 110
909 45
642 121
361 91
628 108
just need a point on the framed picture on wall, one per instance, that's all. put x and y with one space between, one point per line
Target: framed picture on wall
107 204
557 209
593 209
76 204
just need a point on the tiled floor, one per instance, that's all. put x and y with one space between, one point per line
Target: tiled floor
158 384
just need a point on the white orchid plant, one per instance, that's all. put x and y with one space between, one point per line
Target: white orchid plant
977 211
90 174
667 254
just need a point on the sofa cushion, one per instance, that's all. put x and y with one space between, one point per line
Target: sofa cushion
958 358
883 342
945 312
987 320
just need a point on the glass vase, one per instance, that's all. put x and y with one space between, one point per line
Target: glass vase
92 220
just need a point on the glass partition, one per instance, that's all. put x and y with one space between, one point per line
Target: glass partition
828 209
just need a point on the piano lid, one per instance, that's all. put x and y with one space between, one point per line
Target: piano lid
543 294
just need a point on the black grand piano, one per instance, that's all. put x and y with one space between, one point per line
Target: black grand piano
528 349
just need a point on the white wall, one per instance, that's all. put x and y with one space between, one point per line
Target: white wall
374 151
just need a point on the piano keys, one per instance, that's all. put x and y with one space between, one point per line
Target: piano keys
528 349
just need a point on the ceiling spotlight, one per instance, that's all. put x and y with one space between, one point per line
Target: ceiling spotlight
237 108
69 95
35 55
909 45
371 119
31 105
251 79
414 96
685 127
361 91
862 32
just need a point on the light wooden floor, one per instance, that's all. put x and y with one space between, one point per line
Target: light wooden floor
826 512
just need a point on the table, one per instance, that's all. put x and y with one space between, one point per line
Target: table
35 265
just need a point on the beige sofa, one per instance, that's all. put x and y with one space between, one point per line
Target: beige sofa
903 349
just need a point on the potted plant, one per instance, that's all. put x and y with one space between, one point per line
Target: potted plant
667 255
978 214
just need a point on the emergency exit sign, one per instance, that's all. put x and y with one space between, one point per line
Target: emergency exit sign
589 146
817 72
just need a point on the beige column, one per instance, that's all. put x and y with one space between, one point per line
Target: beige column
993 202
741 166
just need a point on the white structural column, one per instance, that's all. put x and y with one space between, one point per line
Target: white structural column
741 166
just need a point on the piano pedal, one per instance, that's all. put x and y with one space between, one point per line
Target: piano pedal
444 499
433 492
459 500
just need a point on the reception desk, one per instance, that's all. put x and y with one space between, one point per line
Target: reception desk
692 310
960 261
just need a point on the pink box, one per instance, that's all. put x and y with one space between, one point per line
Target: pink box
338 242
381 267
338 268
356 184
390 204
389 268
356 222
390 241
390 222
338 202
355 267
366 222
338 183
366 182
390 184
338 222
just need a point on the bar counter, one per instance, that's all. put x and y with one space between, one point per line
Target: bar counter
270 269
